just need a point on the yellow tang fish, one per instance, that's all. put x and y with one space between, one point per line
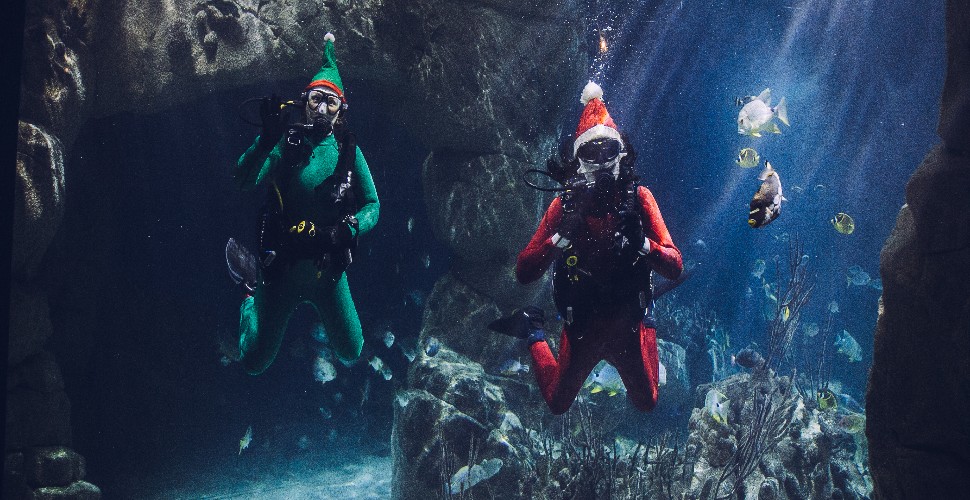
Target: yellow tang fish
843 223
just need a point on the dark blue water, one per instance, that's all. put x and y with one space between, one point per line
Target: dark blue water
862 82
861 79
151 207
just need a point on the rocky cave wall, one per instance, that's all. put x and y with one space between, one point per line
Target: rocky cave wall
918 399
481 82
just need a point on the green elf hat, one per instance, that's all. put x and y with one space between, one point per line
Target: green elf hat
328 76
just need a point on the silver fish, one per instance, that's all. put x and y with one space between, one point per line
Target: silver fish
757 115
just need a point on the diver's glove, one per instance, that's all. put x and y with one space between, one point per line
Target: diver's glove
629 238
343 233
568 229
561 169
340 235
270 112
572 220
630 155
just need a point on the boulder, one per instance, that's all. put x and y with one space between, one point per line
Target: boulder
924 323
459 73
30 323
56 74
37 419
53 466
78 490
458 316
38 197
922 339
479 206
454 416
809 456
38 373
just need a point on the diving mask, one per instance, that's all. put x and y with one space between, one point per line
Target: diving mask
599 158
322 103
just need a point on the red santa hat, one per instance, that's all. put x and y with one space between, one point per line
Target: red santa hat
595 122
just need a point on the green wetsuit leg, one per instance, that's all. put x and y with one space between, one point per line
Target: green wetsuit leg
262 323
339 316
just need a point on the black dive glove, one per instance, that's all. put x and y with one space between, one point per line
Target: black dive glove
343 233
572 218
270 112
630 240
569 225
341 236
562 165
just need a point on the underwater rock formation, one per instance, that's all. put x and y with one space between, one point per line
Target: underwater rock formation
499 121
453 415
54 102
47 473
456 414
790 451
918 398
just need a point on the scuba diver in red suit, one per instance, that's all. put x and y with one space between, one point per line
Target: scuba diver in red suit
605 235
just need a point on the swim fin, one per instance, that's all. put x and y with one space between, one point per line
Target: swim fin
243 266
520 323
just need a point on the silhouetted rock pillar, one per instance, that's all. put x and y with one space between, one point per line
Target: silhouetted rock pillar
54 104
918 401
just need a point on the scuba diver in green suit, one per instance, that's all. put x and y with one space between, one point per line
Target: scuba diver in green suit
321 198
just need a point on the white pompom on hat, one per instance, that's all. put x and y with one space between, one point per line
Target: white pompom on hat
591 91
328 76
595 122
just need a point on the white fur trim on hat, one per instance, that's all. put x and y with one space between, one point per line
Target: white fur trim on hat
591 91
329 37
596 132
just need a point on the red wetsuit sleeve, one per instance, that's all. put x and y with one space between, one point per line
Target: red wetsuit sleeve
535 259
664 256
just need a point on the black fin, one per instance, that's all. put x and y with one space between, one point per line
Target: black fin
519 323
243 266
508 325
663 285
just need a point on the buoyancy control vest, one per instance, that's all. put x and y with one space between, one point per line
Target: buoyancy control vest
625 289
285 237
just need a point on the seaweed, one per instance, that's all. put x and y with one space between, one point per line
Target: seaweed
788 309
772 410
449 466
581 461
